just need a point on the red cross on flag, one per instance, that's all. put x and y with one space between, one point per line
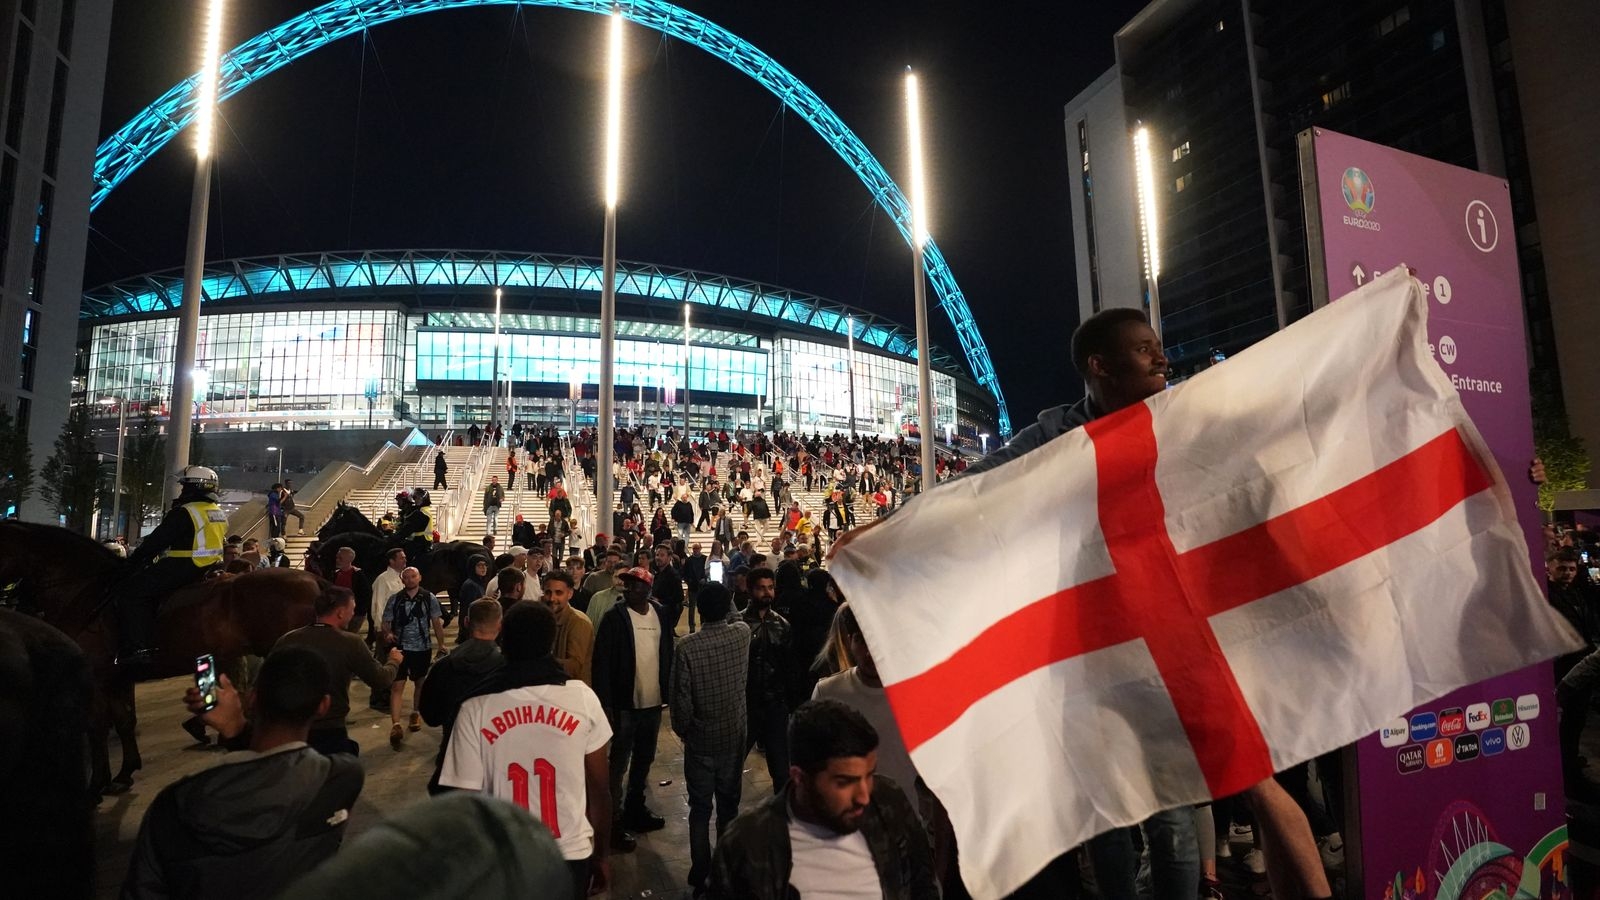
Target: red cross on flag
1260 565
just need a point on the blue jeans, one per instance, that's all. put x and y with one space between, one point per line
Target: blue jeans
1174 858
633 749
708 778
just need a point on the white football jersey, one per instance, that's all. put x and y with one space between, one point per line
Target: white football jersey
527 745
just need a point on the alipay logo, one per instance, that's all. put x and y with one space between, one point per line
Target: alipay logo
1395 733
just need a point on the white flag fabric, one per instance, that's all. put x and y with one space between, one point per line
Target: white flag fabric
1262 564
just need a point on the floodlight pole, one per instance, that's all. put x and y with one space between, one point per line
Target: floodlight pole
181 414
919 237
1149 221
851 325
686 370
494 374
605 438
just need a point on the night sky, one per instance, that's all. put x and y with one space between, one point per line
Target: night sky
480 129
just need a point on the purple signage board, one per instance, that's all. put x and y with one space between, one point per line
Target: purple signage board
1460 800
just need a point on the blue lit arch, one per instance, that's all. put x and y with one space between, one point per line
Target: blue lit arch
147 132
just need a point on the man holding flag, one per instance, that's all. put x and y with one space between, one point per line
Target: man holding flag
1314 526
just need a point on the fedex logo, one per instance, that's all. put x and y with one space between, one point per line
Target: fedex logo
1493 742
1424 727
1478 717
1452 722
1395 733
1527 707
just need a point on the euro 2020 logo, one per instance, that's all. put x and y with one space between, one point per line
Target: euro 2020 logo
1359 194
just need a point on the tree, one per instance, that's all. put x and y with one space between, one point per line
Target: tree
16 463
1566 462
71 478
143 468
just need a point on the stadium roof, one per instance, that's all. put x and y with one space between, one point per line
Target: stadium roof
471 275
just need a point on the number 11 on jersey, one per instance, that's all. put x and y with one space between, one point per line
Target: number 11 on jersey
545 771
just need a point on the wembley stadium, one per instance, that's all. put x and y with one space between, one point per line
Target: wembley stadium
330 341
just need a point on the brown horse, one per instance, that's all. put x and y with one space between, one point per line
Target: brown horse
70 581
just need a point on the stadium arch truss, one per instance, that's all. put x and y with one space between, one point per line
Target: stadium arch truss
146 133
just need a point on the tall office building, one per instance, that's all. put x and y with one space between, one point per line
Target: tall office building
53 60
1224 86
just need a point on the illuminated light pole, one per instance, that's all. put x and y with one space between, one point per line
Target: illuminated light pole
1149 223
575 393
116 483
919 237
280 462
494 374
686 370
605 438
182 415
851 325
984 437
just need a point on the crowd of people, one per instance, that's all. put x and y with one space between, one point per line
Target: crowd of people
572 654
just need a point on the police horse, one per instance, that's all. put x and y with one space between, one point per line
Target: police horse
70 582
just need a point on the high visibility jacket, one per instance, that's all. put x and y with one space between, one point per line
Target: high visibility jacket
210 530
425 524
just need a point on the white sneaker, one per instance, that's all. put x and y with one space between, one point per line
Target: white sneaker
1331 849
1255 862
1224 849
1242 834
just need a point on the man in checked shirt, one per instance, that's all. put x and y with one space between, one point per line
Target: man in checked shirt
706 692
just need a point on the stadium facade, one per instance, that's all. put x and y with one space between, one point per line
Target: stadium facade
348 340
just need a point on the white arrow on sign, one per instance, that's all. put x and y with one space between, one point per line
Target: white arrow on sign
1358 274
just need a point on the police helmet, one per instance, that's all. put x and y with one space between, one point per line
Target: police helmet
198 476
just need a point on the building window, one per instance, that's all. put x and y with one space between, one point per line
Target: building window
8 194
1180 151
1183 182
41 240
58 104
1336 96
1088 217
1436 40
30 346
19 86
24 413
1394 20
69 21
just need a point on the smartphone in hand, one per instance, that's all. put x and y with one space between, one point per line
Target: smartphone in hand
205 680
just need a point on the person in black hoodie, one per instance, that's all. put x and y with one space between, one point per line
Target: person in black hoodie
475 587
246 828
469 670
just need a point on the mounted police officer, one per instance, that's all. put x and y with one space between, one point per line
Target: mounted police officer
188 542
416 524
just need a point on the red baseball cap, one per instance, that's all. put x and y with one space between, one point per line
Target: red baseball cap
639 572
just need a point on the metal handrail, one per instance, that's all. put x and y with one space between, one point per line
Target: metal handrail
388 446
